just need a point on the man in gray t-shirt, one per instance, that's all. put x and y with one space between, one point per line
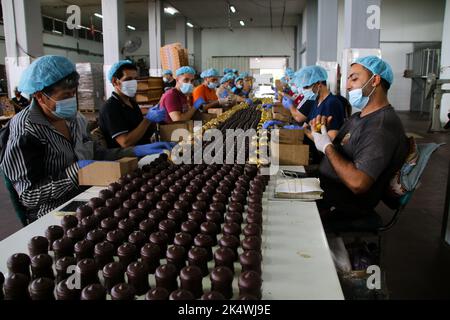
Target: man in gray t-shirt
370 147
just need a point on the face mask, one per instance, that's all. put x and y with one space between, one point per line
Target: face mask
309 95
166 80
239 86
187 88
213 85
129 88
65 109
357 99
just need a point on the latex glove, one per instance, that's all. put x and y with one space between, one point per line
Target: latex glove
234 90
292 127
84 163
154 148
277 96
322 140
267 106
224 94
156 114
199 103
249 101
271 123
287 103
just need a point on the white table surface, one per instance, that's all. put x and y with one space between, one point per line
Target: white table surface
297 263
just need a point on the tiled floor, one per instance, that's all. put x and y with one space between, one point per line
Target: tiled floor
416 261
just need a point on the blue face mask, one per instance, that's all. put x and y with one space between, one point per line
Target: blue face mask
65 109
239 86
187 88
213 85
309 95
357 99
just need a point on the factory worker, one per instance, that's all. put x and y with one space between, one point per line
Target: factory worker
176 101
226 88
169 80
368 150
45 145
120 119
205 94
227 71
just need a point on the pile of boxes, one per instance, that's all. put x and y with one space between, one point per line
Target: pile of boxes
174 56
92 87
150 91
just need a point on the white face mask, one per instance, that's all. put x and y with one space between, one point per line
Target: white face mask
129 88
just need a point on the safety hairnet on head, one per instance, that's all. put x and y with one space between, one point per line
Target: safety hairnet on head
226 78
289 72
235 70
239 78
377 66
245 75
209 73
167 73
185 70
283 80
44 72
310 75
227 70
116 66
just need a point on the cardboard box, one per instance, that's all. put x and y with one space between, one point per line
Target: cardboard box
166 130
103 173
289 154
281 114
286 136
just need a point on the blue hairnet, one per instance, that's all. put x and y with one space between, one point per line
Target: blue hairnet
209 73
245 75
289 72
227 70
283 80
116 66
44 72
235 70
167 72
226 78
310 75
377 66
239 78
185 70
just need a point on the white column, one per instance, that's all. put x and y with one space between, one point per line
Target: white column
327 30
198 49
445 63
181 31
311 32
23 37
113 36
156 35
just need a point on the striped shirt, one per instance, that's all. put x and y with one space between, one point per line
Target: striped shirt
42 163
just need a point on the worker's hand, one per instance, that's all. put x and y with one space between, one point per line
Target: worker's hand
156 114
249 102
199 103
84 163
317 123
267 106
287 103
271 123
154 148
322 140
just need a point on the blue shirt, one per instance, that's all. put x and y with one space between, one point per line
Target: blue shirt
331 106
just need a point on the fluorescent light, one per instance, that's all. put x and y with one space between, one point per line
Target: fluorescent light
170 10
131 27
232 8
242 23
190 25
98 15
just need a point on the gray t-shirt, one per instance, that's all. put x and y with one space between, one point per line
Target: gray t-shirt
377 145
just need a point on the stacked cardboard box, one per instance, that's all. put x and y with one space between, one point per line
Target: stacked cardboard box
281 114
150 90
173 57
92 86
287 148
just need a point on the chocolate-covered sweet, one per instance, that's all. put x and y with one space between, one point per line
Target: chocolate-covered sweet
61 267
239 190
164 206
206 242
121 213
166 277
212 295
255 208
146 189
235 207
145 205
130 204
199 257
157 215
83 212
138 181
157 294
181 295
212 184
196 216
203 197
217 206
95 203
251 261
161 239
103 212
221 281
96 236
169 197
161 189
252 230
181 205
220 198
16 287
137 215
130 188
239 198
251 243
41 289
123 181
191 280
234 217
254 218
53 233
254 200
127 225
19 263
250 282
109 224
106 194
188 197
41 267
113 203
225 183
232 229
63 248
169 227
90 223
225 257
69 222
176 255
148 226
190 227
176 215
175 189
210 228
150 256
223 189
229 241
104 253
114 187
192 189
183 239
122 195
93 292
138 238
137 275
124 292
214 217
138 196
152 183
88 272
84 249
64 292
76 234
127 253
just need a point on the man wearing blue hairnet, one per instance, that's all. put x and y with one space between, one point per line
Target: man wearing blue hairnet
169 80
120 119
176 101
205 94
368 150
45 145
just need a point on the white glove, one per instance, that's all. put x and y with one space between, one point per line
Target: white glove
322 140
